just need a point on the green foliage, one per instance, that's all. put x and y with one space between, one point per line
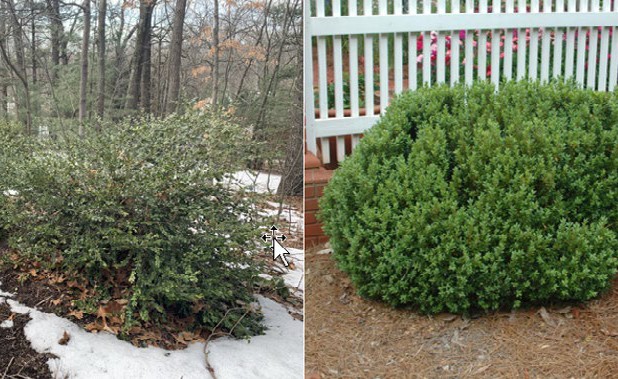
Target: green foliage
142 206
13 144
463 198
347 102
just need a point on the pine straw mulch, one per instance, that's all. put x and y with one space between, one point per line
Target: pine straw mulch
350 337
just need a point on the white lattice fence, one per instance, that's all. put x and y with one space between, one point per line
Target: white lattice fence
358 54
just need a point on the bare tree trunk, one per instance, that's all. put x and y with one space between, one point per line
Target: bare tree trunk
258 41
33 41
64 42
292 181
143 32
146 85
20 68
175 56
3 73
84 67
101 87
215 72
53 8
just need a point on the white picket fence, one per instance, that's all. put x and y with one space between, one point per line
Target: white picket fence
564 38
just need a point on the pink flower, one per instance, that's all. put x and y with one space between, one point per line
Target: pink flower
419 58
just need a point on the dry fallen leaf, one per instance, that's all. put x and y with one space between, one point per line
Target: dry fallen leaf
65 338
113 306
56 302
77 314
93 327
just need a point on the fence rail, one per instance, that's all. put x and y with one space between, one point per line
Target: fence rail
360 53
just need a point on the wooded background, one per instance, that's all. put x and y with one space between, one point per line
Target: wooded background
77 65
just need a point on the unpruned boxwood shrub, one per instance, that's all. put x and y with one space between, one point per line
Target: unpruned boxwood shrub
464 199
142 212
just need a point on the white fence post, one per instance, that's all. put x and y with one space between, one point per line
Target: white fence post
548 42
308 81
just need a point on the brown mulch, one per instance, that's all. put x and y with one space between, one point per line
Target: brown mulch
17 358
350 337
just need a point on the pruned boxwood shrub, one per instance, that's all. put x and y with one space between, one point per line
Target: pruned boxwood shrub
141 211
464 199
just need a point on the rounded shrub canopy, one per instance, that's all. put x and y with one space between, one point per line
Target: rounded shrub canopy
464 198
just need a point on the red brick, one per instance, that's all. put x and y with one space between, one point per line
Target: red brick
310 218
314 230
318 176
319 190
311 161
311 205
309 191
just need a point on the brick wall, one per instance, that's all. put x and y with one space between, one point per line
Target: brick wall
316 178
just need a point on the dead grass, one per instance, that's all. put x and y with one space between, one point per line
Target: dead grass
350 337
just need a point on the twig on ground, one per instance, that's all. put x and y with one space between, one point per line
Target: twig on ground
7 367
215 333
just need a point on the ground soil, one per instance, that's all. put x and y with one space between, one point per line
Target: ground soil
350 337
17 358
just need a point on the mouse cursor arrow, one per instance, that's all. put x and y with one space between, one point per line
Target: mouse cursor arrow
280 251
276 246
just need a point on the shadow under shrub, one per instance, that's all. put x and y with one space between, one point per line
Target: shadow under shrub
141 212
463 198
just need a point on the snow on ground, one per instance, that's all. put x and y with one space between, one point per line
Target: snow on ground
277 354
295 279
260 182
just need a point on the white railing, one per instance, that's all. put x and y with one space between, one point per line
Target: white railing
563 38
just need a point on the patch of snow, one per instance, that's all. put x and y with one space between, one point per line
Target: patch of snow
290 214
17 307
5 294
295 279
255 181
278 353
6 324
10 192
256 358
